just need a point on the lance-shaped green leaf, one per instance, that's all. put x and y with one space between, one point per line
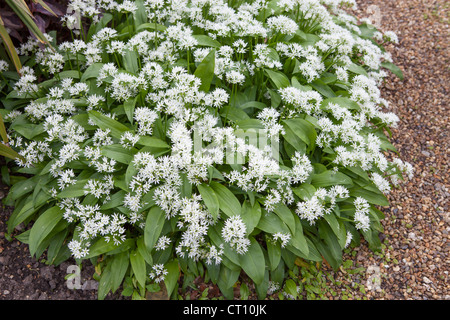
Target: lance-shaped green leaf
206 41
138 265
119 267
330 178
151 26
104 122
118 153
279 79
253 262
10 47
228 202
303 129
205 70
9 153
92 71
210 199
173 273
251 215
153 226
152 142
3 134
43 226
393 68
101 246
286 215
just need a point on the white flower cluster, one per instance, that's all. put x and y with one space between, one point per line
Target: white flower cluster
158 273
321 203
234 232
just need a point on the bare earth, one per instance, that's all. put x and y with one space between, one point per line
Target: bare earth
414 264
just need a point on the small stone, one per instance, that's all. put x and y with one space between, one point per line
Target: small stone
412 236
426 280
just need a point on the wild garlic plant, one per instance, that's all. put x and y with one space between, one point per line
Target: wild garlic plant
204 137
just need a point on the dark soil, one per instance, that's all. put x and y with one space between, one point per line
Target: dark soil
22 277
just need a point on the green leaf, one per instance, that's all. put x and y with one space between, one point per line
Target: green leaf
323 88
153 142
294 140
357 69
28 130
73 191
153 226
129 106
23 187
393 68
291 288
271 223
115 200
130 61
106 282
286 215
206 41
253 104
92 71
330 178
227 278
104 122
43 226
139 267
279 79
119 267
305 192
171 279
205 70
210 199
143 250
372 196
118 153
9 153
331 250
140 15
274 254
298 239
3 134
303 129
20 214
228 202
101 246
251 215
341 101
337 227
152 26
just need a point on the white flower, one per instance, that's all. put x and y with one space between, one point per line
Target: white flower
284 237
158 273
282 24
234 233
362 220
163 243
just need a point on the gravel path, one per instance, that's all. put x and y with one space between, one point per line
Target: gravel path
414 263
